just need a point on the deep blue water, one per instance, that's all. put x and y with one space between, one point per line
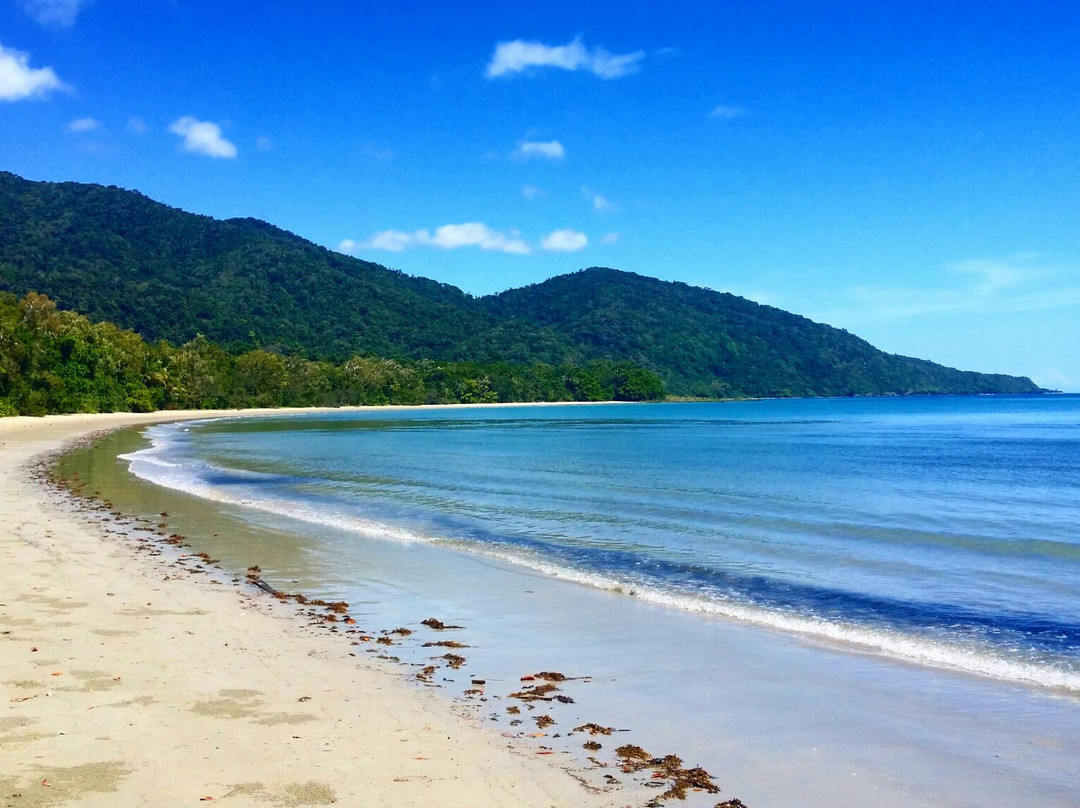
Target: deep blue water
940 530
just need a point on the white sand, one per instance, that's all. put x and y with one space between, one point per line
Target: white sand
121 687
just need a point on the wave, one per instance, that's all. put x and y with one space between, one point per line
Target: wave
168 462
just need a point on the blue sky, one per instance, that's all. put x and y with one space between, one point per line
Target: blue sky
907 171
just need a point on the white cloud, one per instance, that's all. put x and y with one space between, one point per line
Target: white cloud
610 238
546 150
726 113
452 236
18 80
202 137
348 246
531 192
520 56
447 237
396 240
54 12
137 126
599 202
84 125
565 241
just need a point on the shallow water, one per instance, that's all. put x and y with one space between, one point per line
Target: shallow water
866 600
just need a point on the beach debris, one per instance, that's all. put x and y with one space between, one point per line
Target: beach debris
436 624
384 641
479 681
669 767
543 721
634 757
445 644
401 631
535 693
730 804
594 729
253 572
513 709
592 746
550 676
426 674
453 660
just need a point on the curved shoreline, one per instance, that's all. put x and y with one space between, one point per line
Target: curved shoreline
126 685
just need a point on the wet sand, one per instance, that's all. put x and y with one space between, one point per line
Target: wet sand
124 683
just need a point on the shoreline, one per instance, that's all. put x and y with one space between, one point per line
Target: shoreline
782 721
126 684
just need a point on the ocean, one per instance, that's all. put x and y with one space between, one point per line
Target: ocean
777 586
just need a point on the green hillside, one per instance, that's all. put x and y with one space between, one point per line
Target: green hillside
716 344
117 256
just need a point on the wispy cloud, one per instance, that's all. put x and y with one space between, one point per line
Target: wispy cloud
137 126
264 144
600 203
565 241
546 150
994 275
520 56
986 286
203 137
447 237
531 192
84 125
727 113
610 238
18 80
54 12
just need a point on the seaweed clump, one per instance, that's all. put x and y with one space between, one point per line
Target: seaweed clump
535 693
436 624
670 768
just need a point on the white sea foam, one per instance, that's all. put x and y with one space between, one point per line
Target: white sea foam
163 463
892 643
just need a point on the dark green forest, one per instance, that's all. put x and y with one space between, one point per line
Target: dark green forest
54 361
250 288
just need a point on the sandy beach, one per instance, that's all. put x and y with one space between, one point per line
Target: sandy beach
124 685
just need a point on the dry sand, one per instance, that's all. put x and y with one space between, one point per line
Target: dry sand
120 686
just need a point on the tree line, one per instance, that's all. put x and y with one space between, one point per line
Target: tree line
57 361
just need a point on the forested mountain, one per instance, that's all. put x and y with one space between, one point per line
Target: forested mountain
118 256
716 344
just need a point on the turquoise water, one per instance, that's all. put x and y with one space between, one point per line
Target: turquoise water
939 531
